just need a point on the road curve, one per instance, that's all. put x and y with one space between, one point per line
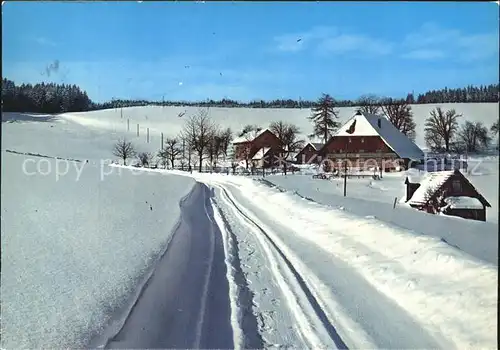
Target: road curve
185 303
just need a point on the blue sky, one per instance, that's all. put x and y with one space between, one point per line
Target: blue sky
200 50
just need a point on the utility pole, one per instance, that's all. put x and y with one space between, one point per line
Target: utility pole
121 112
128 124
162 141
137 130
345 172
183 153
147 137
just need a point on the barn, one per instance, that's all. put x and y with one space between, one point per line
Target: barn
309 153
370 141
447 192
248 146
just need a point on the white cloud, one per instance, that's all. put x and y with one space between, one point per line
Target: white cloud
355 43
45 41
434 42
298 41
424 54
332 41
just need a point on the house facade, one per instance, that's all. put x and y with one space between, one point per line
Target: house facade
247 146
367 141
449 193
309 154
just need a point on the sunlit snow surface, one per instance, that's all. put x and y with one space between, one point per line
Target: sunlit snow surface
74 247
72 250
354 262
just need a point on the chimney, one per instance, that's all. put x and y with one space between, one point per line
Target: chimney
379 123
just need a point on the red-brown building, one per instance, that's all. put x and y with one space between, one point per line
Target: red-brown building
447 192
369 141
248 145
309 154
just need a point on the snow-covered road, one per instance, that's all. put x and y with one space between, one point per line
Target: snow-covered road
312 300
322 278
185 302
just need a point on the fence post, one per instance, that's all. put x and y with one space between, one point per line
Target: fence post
395 201
162 141
147 137
128 124
137 130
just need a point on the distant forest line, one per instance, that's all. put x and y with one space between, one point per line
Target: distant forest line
60 98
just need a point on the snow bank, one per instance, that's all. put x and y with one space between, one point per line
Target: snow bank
447 291
75 248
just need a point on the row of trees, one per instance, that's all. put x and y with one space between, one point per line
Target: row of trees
325 116
442 129
200 139
56 98
443 133
43 98
469 94
203 141
482 93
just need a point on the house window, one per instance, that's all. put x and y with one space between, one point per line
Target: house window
457 186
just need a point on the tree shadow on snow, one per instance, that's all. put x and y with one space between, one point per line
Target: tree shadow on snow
26 118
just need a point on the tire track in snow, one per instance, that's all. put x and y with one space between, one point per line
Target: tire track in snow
247 335
313 324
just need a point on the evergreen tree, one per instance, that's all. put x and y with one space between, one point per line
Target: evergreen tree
323 117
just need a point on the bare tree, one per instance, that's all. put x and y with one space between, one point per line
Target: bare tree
162 156
473 136
440 128
145 159
369 104
171 150
185 140
288 135
245 149
214 147
400 115
198 131
124 150
226 137
494 128
323 117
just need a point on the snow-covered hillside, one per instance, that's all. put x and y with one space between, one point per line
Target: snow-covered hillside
167 120
77 238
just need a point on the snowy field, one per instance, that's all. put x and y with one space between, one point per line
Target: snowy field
75 246
166 119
